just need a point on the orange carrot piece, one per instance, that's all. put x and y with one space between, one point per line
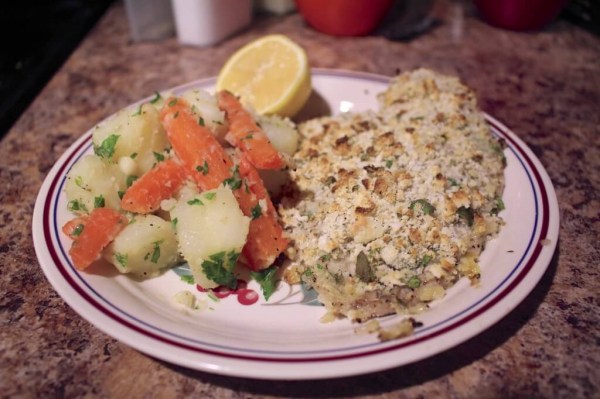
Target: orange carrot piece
101 227
246 135
266 238
256 184
204 159
74 227
157 184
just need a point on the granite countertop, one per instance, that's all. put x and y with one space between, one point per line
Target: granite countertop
545 86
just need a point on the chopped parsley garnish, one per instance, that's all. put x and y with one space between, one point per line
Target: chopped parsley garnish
234 182
426 207
466 214
389 163
99 202
337 277
497 147
156 98
172 102
210 196
425 260
267 279
79 181
256 212
76 205
120 194
77 230
499 206
188 278
156 252
132 156
330 180
158 156
413 282
129 181
212 297
174 222
195 201
203 169
138 112
121 259
452 182
201 121
107 148
325 258
219 268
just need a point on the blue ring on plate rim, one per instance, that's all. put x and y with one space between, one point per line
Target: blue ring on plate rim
416 338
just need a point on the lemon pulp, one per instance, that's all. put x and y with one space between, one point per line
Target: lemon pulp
270 74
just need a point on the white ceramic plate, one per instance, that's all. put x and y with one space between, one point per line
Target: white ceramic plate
283 339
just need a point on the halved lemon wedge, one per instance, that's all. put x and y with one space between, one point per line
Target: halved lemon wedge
270 74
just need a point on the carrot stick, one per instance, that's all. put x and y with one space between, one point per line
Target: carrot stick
245 134
74 227
101 227
157 184
268 240
204 159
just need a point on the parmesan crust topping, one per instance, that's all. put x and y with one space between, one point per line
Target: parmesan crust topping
388 209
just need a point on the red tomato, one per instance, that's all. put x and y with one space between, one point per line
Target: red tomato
519 15
343 17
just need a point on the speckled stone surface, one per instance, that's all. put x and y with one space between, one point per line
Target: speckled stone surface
545 86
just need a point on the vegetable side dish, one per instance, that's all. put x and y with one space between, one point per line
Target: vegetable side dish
177 179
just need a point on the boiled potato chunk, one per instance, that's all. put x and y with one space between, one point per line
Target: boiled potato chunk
204 105
144 247
282 133
208 225
137 134
91 183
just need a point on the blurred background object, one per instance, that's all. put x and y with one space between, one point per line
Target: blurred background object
519 15
36 37
149 19
277 7
585 13
407 19
344 17
207 22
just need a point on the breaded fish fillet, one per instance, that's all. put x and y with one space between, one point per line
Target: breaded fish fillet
389 208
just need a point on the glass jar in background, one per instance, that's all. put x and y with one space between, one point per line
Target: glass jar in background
149 19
